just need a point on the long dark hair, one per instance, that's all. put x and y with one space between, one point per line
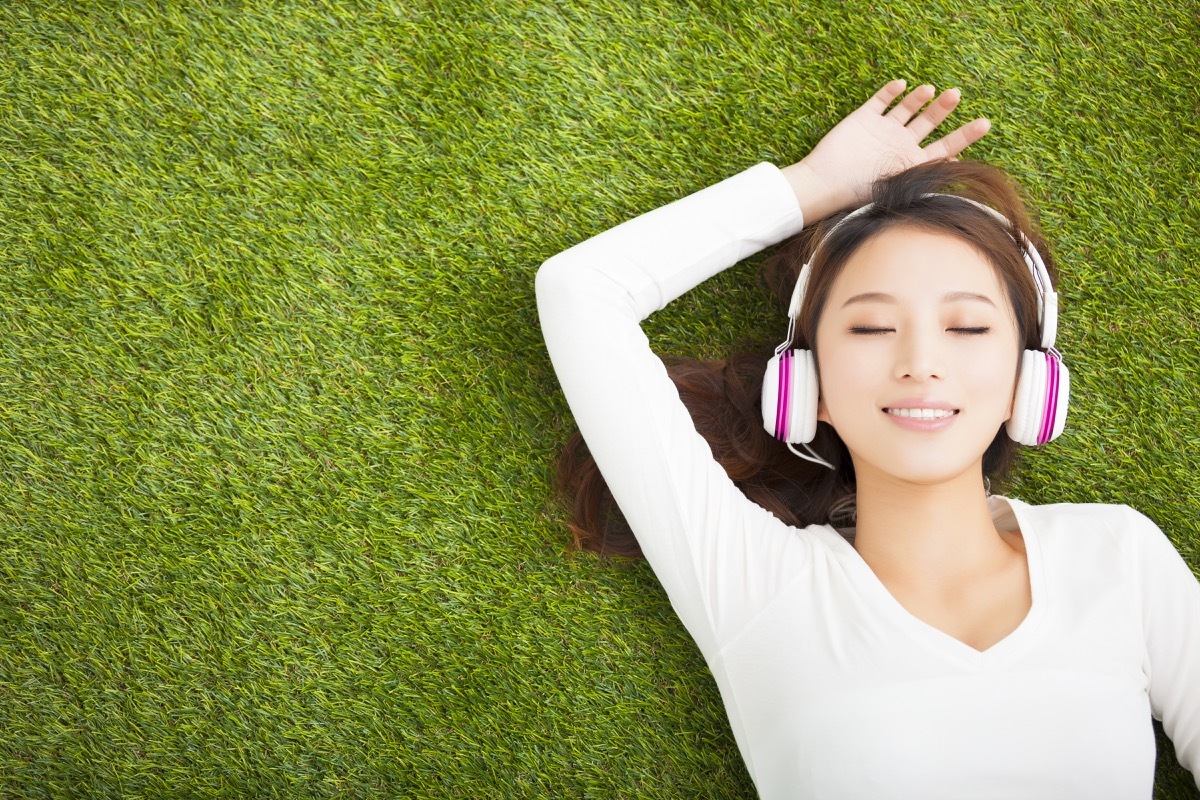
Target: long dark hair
723 396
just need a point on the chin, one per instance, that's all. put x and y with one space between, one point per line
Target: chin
922 472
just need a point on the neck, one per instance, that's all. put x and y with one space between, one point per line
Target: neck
945 527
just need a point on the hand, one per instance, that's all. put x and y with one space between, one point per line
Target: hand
869 144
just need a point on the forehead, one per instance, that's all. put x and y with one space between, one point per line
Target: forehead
915 264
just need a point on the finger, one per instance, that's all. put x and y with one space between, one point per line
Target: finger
935 113
884 97
911 104
954 143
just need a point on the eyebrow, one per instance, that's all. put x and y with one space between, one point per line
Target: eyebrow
949 297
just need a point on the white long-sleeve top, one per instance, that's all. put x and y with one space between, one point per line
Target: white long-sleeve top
832 688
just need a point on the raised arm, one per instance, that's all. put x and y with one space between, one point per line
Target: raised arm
711 548
697 530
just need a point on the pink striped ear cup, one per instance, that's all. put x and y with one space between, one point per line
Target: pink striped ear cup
789 397
1043 393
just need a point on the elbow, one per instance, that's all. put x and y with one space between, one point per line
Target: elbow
566 280
550 285
558 290
576 284
550 276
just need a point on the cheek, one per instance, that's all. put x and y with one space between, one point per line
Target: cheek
994 377
843 381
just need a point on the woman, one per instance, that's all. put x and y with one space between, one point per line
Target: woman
944 643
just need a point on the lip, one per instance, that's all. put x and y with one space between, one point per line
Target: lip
921 425
922 402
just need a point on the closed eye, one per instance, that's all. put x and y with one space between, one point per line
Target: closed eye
970 331
863 330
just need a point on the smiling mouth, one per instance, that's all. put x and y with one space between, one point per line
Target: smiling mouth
921 413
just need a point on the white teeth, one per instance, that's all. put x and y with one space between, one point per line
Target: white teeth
921 413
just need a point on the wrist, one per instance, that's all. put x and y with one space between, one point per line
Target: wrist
818 198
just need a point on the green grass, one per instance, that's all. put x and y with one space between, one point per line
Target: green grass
276 421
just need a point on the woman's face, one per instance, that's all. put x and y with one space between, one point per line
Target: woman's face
917 350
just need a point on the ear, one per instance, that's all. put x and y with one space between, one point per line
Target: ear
1012 398
822 410
823 413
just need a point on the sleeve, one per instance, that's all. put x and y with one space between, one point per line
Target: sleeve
1171 620
718 555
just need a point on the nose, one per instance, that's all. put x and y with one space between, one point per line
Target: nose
919 355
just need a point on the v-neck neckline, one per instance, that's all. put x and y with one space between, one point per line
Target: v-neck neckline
1002 509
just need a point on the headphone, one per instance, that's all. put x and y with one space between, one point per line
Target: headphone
790 388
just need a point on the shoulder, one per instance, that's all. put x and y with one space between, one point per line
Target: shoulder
1116 517
1109 526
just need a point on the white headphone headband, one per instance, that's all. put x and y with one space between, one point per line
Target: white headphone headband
1047 297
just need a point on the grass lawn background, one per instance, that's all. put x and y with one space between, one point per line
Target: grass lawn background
276 421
